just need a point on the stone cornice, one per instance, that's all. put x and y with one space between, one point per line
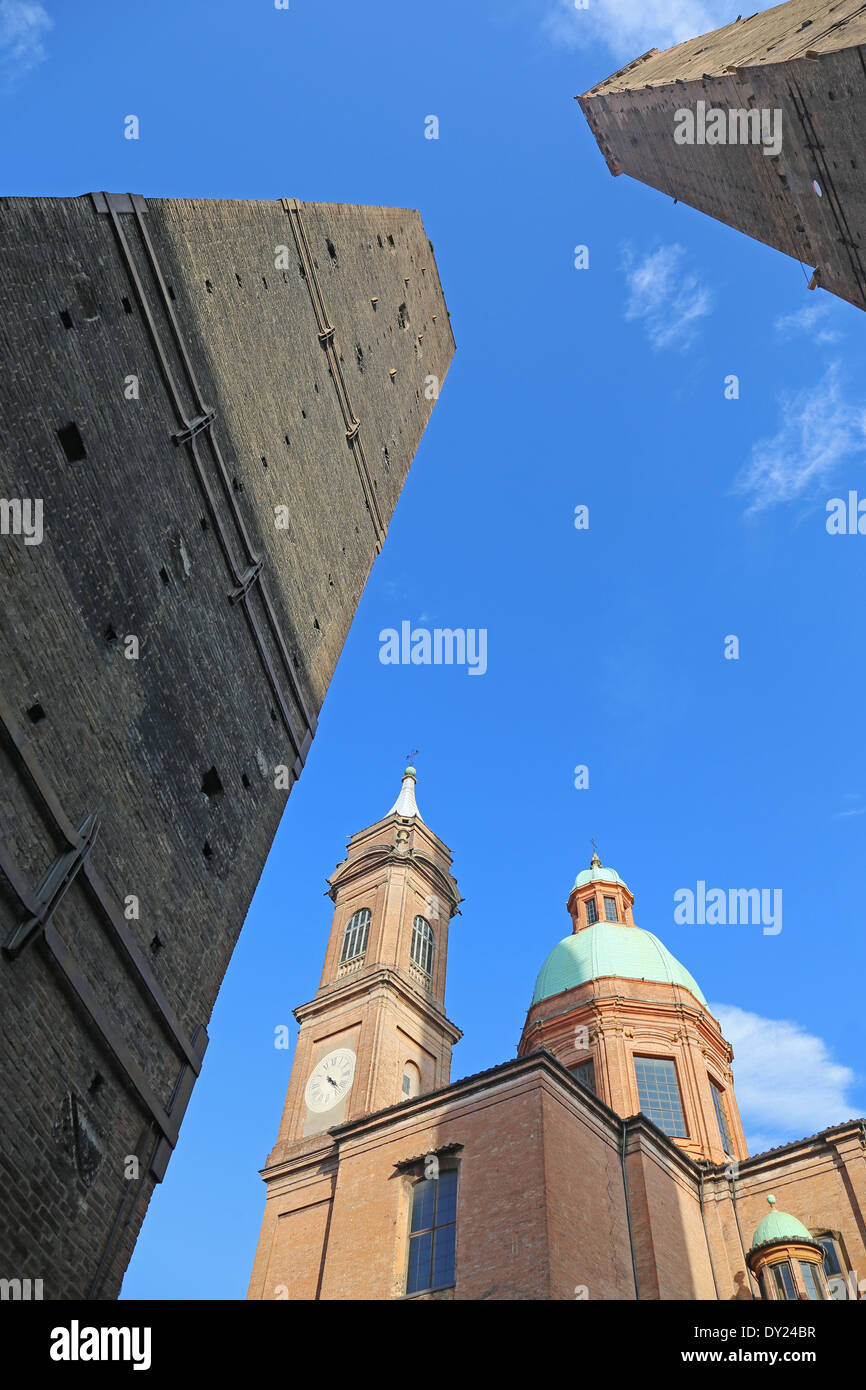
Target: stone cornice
823 1145
358 988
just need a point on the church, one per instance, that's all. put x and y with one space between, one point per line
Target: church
607 1160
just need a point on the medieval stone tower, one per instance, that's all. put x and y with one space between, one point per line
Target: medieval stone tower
761 124
211 406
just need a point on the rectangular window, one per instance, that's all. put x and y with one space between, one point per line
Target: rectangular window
610 910
660 1095
832 1263
591 910
432 1233
784 1280
584 1072
721 1117
812 1280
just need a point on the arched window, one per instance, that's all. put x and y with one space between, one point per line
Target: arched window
422 945
411 1084
355 938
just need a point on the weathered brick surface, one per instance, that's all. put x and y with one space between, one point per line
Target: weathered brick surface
131 547
758 63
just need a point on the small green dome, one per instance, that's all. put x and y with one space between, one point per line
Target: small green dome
598 874
780 1225
609 948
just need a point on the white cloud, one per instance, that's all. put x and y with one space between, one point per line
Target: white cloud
805 320
787 1084
666 297
23 25
630 27
819 430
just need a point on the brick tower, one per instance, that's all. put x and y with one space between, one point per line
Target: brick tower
761 124
632 1024
217 404
376 1032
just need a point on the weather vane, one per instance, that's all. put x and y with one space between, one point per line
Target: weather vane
411 754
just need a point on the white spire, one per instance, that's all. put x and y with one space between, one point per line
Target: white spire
405 804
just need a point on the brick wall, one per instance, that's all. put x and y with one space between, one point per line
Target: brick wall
137 544
760 63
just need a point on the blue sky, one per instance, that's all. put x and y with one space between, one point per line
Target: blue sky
602 387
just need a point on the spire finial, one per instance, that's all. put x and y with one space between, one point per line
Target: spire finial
595 862
771 1199
405 805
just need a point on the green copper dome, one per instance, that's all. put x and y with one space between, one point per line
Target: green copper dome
609 948
780 1225
598 874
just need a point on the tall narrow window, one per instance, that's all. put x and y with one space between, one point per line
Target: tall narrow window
433 1233
721 1117
591 910
833 1266
610 910
812 1280
660 1095
355 937
783 1280
422 945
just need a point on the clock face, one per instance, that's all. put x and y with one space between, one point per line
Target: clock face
330 1080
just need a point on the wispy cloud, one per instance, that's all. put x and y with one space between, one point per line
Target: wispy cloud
819 429
23 26
666 297
806 320
786 1081
855 810
629 27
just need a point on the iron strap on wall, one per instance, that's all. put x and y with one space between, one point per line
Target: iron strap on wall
827 185
40 906
196 423
326 337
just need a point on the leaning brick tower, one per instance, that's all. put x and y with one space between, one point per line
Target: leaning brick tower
802 63
215 405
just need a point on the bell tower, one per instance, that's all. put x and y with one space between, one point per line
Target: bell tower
376 1032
